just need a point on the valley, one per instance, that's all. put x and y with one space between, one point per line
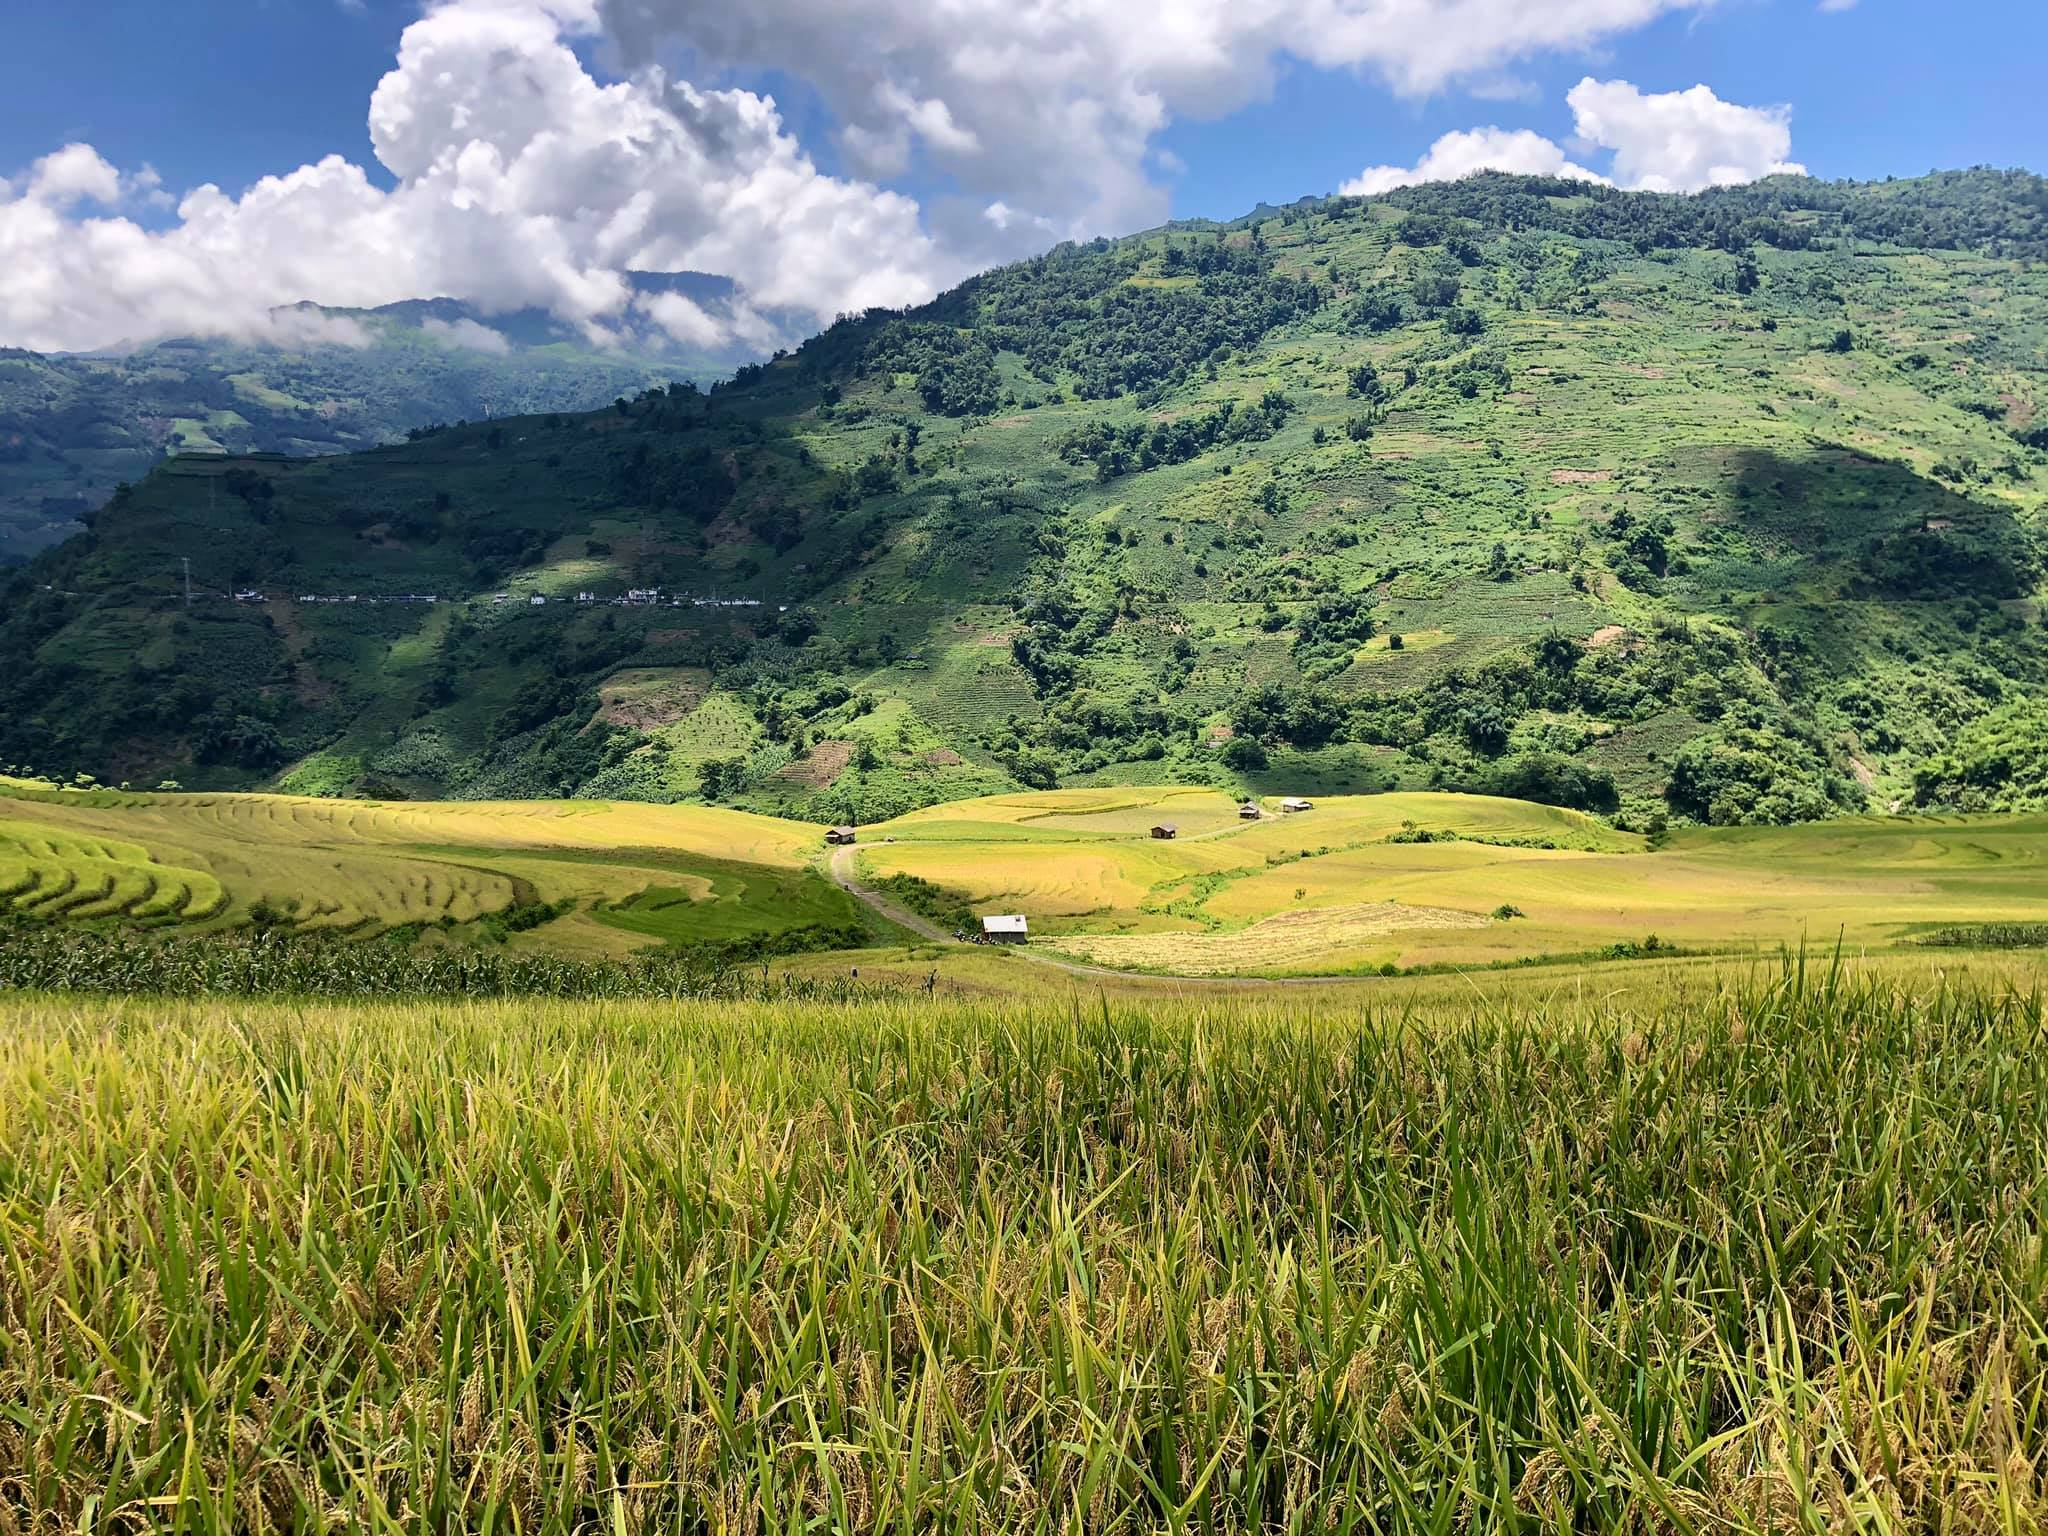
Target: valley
1722 510
1356 886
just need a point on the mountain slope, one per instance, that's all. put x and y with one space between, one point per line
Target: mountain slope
1725 508
74 427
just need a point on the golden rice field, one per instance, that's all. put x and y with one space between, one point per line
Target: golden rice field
1284 895
1288 940
359 867
1747 1250
1355 885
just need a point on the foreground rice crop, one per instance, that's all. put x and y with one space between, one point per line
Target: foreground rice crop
1769 1258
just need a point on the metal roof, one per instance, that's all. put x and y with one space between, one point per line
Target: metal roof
1005 925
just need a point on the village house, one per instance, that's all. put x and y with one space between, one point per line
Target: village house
1249 811
1005 930
1166 832
842 837
1295 803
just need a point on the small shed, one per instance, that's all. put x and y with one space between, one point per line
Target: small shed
1004 930
842 837
1166 832
1295 803
1249 811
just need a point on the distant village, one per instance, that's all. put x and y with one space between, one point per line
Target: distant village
637 597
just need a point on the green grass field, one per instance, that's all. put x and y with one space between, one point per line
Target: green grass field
1737 1251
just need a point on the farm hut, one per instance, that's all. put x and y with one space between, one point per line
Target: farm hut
1249 811
1166 832
1295 803
1004 930
842 837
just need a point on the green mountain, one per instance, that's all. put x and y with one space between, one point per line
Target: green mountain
74 427
1725 508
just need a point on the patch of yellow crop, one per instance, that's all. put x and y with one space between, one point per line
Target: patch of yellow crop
48 872
1040 879
1193 813
1278 944
1022 809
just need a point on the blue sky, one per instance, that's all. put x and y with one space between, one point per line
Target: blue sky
235 89
889 170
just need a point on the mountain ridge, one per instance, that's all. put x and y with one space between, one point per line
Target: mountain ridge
1721 508
330 379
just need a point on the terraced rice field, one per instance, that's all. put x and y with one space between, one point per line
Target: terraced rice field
360 867
1356 884
46 873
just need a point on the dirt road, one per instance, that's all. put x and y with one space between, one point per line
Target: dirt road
846 874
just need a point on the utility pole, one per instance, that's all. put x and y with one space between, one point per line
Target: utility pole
188 581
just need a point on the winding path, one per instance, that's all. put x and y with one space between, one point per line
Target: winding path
847 876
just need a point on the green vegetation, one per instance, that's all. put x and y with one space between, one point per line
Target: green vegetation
73 429
271 961
1998 762
1508 486
1990 936
1758 1257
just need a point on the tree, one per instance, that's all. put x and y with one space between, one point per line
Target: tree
1244 754
720 778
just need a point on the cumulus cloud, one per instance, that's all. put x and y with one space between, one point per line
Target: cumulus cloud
1466 153
522 181
1043 113
1680 141
1683 140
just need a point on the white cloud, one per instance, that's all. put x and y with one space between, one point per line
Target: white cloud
74 174
467 334
522 181
1457 155
1680 141
1042 112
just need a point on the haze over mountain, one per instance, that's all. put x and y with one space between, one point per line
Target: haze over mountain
315 380
1724 507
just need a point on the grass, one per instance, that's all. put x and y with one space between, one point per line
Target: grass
1746 1253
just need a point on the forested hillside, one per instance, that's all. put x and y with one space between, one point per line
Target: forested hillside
72 428
1725 508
